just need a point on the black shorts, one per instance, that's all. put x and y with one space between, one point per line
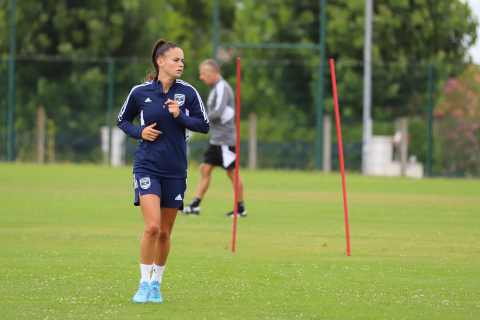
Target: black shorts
223 156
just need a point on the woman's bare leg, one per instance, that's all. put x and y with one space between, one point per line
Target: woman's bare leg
150 205
167 219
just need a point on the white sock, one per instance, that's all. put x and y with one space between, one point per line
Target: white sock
157 273
145 270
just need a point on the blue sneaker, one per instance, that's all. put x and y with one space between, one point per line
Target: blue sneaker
155 295
142 293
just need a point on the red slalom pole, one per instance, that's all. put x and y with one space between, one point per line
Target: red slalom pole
237 152
340 151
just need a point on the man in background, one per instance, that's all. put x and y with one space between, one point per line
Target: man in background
221 150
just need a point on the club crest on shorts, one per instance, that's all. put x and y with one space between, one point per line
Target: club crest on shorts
145 183
180 99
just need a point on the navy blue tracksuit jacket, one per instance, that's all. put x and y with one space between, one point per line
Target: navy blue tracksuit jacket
166 156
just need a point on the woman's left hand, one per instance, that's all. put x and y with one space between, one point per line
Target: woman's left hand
173 108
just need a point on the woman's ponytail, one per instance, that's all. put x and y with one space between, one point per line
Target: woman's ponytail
159 49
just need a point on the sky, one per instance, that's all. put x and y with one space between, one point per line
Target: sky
475 50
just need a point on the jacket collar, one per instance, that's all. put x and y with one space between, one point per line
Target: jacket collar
157 84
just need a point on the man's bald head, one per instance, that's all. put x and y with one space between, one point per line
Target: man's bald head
212 64
209 72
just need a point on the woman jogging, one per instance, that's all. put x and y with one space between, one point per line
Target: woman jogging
167 106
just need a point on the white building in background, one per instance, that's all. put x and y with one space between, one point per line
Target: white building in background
118 145
381 161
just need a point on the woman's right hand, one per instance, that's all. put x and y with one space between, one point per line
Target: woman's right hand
149 133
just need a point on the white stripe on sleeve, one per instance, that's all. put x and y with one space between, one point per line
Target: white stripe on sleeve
220 89
122 111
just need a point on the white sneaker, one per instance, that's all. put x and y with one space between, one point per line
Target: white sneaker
242 214
190 211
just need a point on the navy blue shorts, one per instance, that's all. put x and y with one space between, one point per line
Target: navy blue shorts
171 191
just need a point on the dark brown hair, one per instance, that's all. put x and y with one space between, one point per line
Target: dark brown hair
159 49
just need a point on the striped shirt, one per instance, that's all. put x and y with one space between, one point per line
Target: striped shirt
221 112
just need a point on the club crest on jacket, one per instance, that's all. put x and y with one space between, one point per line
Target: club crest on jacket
180 99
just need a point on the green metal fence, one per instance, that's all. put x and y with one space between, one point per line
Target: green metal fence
81 95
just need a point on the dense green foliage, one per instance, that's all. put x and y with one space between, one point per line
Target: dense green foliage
70 239
65 47
405 33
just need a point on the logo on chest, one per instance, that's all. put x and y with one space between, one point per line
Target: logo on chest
180 99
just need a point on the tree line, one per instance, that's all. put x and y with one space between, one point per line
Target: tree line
408 35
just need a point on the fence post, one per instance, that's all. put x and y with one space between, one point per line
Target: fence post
430 120
320 84
252 142
51 141
111 69
11 82
215 28
3 108
327 144
41 135
403 145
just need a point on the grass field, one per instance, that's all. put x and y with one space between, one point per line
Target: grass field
70 240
